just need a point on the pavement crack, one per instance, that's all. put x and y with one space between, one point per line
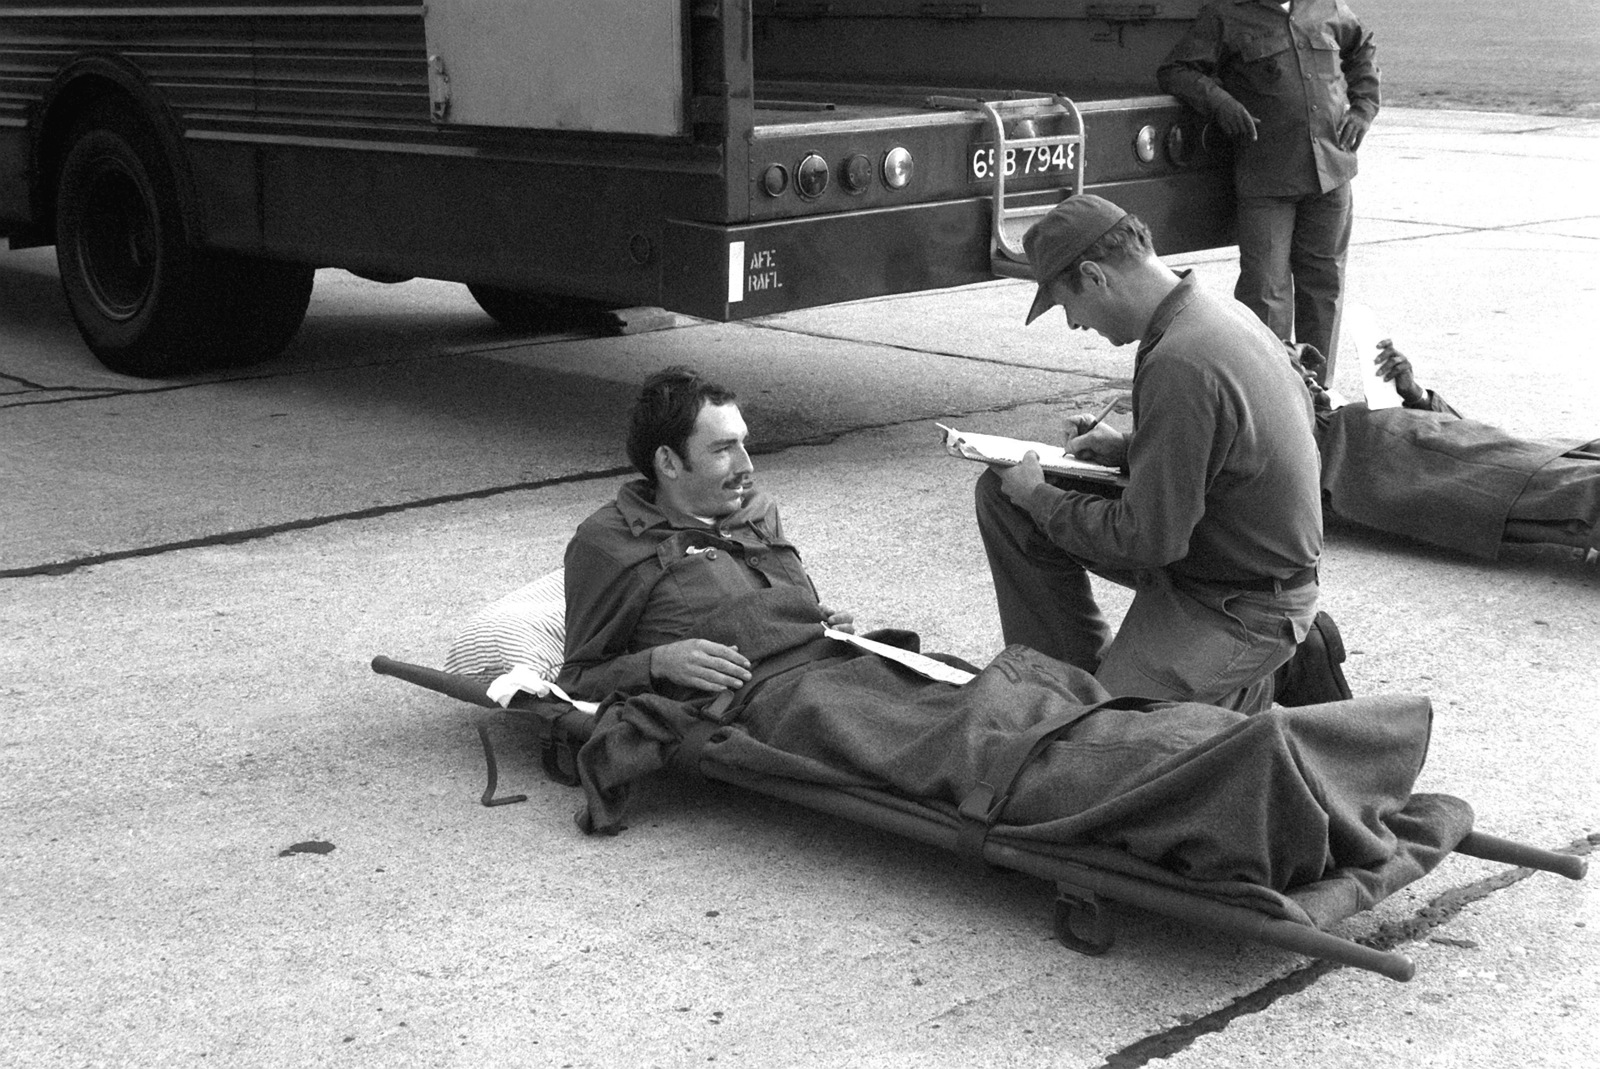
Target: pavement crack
99 393
31 385
1388 935
96 393
829 437
1548 127
1459 228
970 357
270 530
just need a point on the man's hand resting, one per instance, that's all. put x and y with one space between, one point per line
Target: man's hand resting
1352 130
700 664
1236 120
839 621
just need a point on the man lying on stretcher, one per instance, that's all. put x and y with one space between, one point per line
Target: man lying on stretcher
685 604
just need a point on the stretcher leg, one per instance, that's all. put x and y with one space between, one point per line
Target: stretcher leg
1082 923
494 772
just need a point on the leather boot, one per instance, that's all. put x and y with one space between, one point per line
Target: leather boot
1313 676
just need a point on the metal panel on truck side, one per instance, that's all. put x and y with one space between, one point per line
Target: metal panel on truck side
604 66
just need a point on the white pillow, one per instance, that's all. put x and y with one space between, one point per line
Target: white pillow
526 627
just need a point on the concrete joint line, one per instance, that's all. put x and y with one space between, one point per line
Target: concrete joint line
29 384
1456 230
829 437
1553 126
252 534
96 393
1389 935
905 348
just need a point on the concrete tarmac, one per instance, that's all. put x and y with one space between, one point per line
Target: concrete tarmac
194 576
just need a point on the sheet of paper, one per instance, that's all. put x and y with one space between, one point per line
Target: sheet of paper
998 449
923 666
1361 327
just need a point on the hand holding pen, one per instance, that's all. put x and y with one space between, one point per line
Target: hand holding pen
1096 442
1083 422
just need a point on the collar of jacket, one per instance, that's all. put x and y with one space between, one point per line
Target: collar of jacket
1185 291
636 501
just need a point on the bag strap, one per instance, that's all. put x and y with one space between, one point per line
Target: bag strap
727 704
981 808
692 746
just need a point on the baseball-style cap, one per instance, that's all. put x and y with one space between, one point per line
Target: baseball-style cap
1060 238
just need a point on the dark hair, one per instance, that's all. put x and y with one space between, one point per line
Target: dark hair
1127 241
664 415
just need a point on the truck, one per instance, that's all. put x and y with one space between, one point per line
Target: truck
195 162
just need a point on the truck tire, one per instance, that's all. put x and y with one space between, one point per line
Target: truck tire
537 311
262 306
146 301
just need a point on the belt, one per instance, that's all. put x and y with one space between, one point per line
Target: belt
721 710
726 705
1265 584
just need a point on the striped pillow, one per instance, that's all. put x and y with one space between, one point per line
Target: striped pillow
526 627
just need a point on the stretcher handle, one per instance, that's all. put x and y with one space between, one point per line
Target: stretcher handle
460 687
1494 848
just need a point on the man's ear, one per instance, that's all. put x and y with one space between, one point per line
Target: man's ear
1093 274
667 463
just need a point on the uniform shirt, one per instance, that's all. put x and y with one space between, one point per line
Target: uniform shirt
1222 462
638 576
1297 72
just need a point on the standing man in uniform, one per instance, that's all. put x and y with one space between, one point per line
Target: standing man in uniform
1293 84
1220 528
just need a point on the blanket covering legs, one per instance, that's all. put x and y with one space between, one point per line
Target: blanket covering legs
1280 800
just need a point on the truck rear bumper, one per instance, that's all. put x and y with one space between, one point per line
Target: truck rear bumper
789 264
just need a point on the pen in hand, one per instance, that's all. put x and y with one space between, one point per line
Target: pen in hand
1084 429
1084 426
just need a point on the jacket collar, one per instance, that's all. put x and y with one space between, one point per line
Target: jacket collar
636 501
1182 294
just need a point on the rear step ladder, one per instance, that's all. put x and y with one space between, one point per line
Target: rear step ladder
1006 255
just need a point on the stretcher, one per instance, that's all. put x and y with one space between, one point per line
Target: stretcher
1086 876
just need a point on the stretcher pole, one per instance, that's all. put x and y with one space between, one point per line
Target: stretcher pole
1494 848
462 688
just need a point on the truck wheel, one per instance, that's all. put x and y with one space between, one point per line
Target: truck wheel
262 306
536 311
147 302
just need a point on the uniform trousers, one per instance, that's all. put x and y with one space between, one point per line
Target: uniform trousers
1292 253
1181 640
